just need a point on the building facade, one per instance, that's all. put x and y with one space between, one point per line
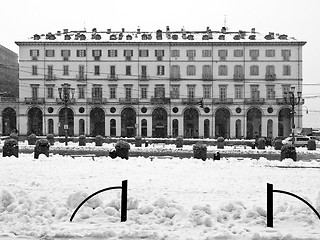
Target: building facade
9 90
150 83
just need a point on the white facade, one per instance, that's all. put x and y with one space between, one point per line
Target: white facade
241 77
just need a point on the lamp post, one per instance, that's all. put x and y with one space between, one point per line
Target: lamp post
292 100
64 95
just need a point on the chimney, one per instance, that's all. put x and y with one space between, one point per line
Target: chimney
123 30
168 29
253 30
223 30
109 30
138 30
65 31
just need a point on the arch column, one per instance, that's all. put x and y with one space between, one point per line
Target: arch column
264 125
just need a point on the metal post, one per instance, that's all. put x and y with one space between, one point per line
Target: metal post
124 197
293 126
269 205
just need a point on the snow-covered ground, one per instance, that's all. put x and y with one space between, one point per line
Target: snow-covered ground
168 199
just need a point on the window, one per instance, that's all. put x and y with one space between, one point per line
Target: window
97 70
159 53
270 70
81 53
238 71
286 70
285 90
81 71
144 90
191 91
270 53
113 71
112 91
286 54
175 53
238 53
238 92
159 91
96 92
223 70
50 71
128 92
175 91
222 92
34 70
65 70
34 53
65 53
96 53
207 72
270 92
128 70
112 53
160 70
191 54
81 92
207 91
175 72
49 53
143 72
144 53
191 70
255 91
223 54
127 53
206 53
50 92
254 54
254 70
34 91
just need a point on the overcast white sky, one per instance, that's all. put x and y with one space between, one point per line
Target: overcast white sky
21 19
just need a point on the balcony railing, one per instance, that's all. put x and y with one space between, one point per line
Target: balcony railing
144 77
81 77
175 77
254 100
60 101
159 100
207 77
34 100
271 77
282 101
190 101
128 100
112 77
50 77
222 100
238 77
97 100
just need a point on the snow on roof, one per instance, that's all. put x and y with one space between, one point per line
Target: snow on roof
159 36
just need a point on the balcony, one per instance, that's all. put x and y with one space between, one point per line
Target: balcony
81 77
238 77
128 100
175 77
97 100
190 101
159 100
207 77
34 100
282 101
112 77
70 101
222 100
50 77
271 77
254 100
144 77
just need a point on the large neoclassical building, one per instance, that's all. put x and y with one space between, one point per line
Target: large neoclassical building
136 83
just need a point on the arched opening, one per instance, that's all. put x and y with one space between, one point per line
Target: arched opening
144 128
97 122
113 128
270 128
66 121
128 122
206 128
175 128
254 123
35 121
50 126
238 129
9 121
191 123
159 123
284 122
222 123
81 127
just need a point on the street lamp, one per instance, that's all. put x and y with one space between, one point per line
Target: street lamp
64 95
292 100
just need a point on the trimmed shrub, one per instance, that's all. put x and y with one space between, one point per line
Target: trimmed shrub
137 141
50 138
41 147
179 142
14 136
278 144
122 149
288 151
10 148
312 144
113 153
200 151
261 143
82 140
220 143
32 138
98 140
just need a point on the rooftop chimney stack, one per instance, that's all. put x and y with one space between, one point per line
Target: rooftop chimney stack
65 31
253 30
